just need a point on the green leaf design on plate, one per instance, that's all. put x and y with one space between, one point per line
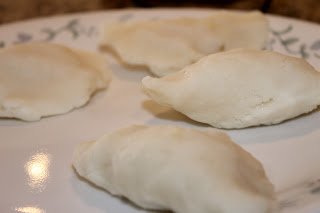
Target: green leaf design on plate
290 41
284 31
23 37
287 43
70 27
303 51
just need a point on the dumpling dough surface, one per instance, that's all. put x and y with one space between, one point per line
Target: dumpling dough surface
42 79
166 46
240 88
180 169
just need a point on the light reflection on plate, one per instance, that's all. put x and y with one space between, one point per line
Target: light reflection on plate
37 169
29 209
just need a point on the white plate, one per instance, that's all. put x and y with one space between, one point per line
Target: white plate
35 158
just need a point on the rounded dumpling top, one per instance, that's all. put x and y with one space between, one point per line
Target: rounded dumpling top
239 88
43 79
176 168
167 45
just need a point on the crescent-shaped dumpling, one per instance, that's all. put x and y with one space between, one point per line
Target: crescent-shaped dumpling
179 169
166 46
43 79
240 88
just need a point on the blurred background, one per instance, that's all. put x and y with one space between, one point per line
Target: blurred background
15 10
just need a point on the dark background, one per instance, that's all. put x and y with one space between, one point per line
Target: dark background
14 10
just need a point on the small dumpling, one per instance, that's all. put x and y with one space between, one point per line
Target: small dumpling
240 88
43 79
166 46
179 169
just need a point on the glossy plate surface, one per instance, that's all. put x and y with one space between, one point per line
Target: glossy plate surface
35 157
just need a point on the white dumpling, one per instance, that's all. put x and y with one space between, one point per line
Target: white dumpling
240 88
43 79
179 169
166 46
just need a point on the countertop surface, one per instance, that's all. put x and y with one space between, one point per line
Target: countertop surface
15 10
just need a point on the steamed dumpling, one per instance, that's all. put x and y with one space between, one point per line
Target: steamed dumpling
166 46
240 88
42 79
179 169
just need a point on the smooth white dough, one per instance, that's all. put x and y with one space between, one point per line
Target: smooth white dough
166 46
240 88
43 79
174 168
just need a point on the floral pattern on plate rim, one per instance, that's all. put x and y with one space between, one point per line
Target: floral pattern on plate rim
292 44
